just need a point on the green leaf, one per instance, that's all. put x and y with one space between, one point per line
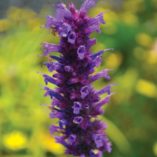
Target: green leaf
117 137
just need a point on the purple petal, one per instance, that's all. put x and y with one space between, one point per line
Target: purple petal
84 91
78 120
106 89
77 107
62 11
87 5
108 147
72 139
100 53
93 28
102 74
50 48
81 52
96 20
98 139
72 37
50 79
68 68
56 58
51 22
74 95
73 80
60 139
94 24
51 93
53 129
97 61
49 66
103 102
98 154
58 76
64 29
62 124
53 66
100 125
55 114
100 18
91 42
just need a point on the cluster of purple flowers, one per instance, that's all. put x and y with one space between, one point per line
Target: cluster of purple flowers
76 103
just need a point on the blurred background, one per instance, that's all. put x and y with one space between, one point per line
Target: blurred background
132 114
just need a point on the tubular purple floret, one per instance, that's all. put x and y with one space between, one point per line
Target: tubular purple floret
56 58
106 89
51 93
102 74
62 11
91 42
87 5
72 37
100 53
48 47
53 66
51 22
81 52
103 102
49 79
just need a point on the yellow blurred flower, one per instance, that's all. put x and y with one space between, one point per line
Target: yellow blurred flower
155 149
34 23
126 82
109 15
130 18
15 140
113 61
4 25
144 39
146 88
25 14
96 10
99 46
134 6
152 58
49 143
140 53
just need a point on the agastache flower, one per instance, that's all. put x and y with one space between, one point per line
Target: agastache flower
75 102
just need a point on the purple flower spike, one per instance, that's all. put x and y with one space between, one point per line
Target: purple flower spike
75 102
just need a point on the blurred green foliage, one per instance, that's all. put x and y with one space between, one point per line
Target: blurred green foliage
131 116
